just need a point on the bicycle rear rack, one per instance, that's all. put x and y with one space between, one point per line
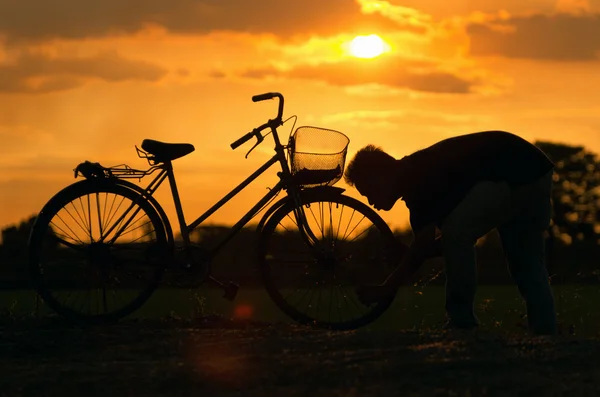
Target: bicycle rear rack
126 172
90 170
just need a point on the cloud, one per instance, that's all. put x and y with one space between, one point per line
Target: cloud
16 139
406 17
573 6
27 150
403 131
428 125
40 73
561 37
48 19
393 72
393 118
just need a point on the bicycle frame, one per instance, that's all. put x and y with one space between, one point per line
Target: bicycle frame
187 229
167 172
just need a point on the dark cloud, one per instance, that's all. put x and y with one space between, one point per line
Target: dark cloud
38 73
217 74
393 72
547 37
46 19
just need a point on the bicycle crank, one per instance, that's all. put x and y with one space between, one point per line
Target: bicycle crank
191 267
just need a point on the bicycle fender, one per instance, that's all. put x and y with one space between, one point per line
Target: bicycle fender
305 193
41 212
68 187
128 185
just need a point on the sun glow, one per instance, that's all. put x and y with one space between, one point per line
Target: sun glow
369 46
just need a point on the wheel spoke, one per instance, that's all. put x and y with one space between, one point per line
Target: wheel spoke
77 247
361 233
316 221
292 219
132 226
82 216
89 216
77 222
111 213
124 224
100 228
352 299
354 228
65 233
332 216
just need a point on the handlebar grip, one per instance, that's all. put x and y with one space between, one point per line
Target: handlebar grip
264 97
242 140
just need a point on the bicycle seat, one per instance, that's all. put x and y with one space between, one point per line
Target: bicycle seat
166 151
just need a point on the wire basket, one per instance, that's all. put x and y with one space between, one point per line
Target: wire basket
317 156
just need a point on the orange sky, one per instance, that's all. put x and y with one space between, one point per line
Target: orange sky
88 82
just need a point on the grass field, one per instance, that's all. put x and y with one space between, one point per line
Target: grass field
499 308
163 354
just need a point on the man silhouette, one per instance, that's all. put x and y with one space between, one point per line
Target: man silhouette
464 187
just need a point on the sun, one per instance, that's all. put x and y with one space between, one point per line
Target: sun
369 46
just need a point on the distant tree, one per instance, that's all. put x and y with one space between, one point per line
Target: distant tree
576 194
16 237
13 250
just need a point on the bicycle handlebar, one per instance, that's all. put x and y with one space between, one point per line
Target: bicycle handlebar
263 97
242 140
256 132
271 95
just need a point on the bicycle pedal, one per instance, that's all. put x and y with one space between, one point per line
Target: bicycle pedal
231 291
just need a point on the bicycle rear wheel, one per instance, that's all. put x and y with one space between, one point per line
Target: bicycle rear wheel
97 252
318 287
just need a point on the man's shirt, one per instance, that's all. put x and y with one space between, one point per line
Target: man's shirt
440 176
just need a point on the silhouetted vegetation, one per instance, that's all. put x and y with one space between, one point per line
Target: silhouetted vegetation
13 250
574 237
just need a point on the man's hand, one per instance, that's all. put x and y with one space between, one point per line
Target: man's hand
419 250
425 245
435 249
371 294
424 240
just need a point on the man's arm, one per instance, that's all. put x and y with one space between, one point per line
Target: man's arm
422 244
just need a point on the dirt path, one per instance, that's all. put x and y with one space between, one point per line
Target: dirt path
180 359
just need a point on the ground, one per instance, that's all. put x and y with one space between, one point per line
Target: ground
45 357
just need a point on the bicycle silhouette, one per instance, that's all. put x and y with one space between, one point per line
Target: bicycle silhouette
100 246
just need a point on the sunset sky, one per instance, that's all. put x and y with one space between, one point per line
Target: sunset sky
84 80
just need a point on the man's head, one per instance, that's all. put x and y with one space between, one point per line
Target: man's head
374 174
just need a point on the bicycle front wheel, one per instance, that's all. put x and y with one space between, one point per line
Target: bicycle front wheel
97 252
317 286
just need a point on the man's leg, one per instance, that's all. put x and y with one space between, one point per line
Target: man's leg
524 246
485 207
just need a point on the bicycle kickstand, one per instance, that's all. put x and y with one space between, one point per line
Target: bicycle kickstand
230 290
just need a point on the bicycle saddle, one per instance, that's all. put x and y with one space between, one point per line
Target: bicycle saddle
166 151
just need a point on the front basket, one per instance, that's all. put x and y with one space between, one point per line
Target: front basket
317 156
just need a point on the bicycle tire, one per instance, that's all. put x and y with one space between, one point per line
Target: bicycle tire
266 257
54 237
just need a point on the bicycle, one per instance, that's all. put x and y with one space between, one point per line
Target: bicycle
118 255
